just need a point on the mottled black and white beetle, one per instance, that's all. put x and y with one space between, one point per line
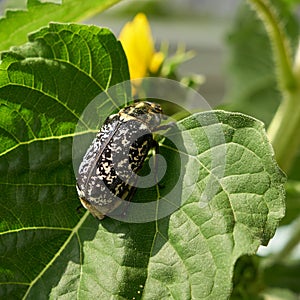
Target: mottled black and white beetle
108 170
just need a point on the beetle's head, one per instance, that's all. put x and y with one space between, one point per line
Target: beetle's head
148 112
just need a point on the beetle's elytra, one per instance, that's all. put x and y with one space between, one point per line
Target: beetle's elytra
107 171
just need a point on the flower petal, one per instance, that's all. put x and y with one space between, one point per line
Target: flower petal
156 62
137 41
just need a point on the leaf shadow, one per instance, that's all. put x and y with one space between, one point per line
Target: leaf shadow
129 246
143 240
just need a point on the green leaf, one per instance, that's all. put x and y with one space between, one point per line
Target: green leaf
49 250
17 23
252 84
284 276
44 87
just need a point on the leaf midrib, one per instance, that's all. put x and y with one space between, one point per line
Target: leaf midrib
73 232
59 137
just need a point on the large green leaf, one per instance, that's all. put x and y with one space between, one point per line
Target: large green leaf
15 26
49 250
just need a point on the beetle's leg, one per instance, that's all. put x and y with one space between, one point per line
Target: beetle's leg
155 145
131 194
127 199
166 126
79 209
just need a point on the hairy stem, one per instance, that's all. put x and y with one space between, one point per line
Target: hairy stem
284 128
279 41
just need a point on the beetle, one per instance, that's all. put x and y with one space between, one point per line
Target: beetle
108 171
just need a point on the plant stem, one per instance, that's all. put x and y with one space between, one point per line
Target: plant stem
285 126
279 41
284 130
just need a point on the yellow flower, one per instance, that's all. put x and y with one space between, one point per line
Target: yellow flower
137 41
